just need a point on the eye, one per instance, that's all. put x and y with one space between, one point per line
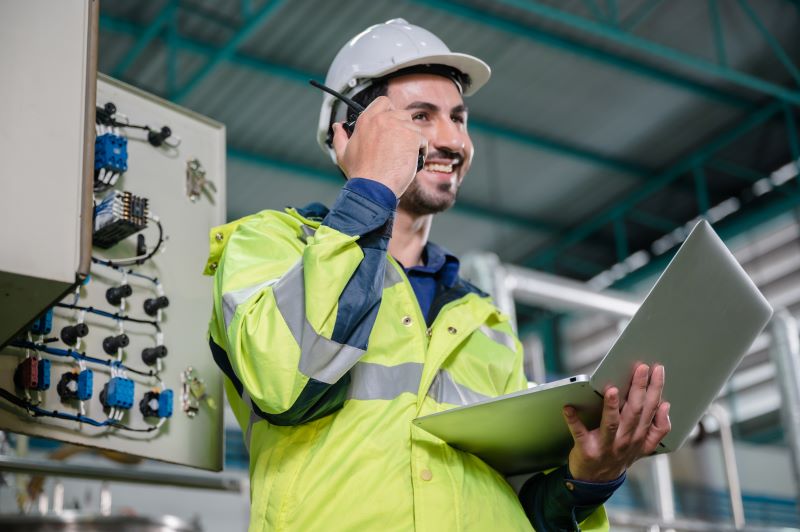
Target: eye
458 119
422 115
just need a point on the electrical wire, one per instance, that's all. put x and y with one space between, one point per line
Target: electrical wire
129 271
105 313
37 411
113 364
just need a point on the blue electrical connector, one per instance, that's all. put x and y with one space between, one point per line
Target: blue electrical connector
118 393
111 153
44 374
165 403
43 324
85 380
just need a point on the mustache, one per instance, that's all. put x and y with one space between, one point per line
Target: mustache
442 153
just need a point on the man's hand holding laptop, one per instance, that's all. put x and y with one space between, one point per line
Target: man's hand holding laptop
625 434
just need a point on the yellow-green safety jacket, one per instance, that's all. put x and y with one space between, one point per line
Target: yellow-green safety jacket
325 369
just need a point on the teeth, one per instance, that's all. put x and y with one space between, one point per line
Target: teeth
436 167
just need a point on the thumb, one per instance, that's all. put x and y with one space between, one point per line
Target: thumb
340 141
575 425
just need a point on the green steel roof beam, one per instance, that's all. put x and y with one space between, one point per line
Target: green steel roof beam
476 124
461 206
719 36
252 25
587 51
144 39
657 50
560 148
777 49
638 16
727 229
656 183
740 172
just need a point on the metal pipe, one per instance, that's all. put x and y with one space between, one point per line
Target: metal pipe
662 487
729 459
164 478
785 353
558 293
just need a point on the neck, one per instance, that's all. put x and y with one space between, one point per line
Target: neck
409 236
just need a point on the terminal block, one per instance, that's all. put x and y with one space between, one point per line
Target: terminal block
27 374
157 404
43 324
118 216
117 393
44 374
111 153
76 385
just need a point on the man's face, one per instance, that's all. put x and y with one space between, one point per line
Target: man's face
437 107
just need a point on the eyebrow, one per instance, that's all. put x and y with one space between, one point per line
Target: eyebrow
427 106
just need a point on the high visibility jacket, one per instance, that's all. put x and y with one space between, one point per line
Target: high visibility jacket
328 421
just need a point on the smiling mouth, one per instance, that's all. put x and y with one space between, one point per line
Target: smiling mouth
444 168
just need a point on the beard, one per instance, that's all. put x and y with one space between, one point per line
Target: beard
416 200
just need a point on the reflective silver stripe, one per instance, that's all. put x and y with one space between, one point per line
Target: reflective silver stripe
376 381
231 300
391 277
320 358
445 390
254 418
499 336
307 232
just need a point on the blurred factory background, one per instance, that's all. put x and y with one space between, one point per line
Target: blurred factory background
608 128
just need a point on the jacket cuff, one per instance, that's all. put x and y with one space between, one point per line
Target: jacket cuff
363 206
557 502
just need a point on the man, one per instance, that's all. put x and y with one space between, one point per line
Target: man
335 328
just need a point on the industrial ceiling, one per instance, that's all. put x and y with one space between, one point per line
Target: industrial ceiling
606 127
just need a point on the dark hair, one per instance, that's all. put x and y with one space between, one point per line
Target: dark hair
379 87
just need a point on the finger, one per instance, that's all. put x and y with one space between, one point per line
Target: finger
378 105
340 141
652 398
634 404
658 430
609 423
402 115
575 425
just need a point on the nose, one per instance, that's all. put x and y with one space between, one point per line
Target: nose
450 136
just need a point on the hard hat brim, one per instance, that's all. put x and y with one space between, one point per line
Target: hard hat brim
477 70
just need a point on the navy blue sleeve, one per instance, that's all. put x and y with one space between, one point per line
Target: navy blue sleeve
556 501
364 208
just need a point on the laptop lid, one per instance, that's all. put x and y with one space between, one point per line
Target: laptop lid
699 320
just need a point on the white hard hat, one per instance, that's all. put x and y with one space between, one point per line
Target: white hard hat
386 48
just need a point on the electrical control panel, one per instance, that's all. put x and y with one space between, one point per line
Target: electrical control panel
122 362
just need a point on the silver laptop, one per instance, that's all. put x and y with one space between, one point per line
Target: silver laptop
699 320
